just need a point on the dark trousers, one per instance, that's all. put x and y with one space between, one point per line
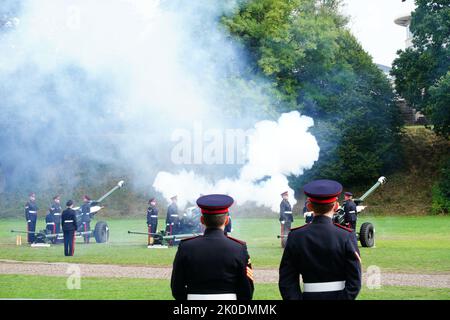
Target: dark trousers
351 221
31 227
172 227
51 229
86 227
58 226
69 243
153 226
286 227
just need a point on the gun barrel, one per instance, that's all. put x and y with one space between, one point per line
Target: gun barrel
118 186
181 236
26 232
144 233
381 181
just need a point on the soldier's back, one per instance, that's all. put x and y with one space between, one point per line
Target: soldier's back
213 262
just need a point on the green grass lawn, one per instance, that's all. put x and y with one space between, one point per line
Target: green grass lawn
403 244
41 287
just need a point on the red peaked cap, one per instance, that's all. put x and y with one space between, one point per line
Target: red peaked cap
323 191
215 203
285 193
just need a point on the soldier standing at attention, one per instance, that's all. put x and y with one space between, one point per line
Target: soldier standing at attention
55 210
286 217
212 266
69 226
31 210
152 219
229 226
325 254
86 217
50 224
172 219
350 210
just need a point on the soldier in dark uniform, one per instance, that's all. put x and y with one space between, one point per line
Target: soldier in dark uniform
86 217
286 217
31 210
308 215
55 210
152 219
50 225
53 219
172 219
350 210
199 272
69 226
229 226
326 255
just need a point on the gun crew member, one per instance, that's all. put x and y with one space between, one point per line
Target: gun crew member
31 210
212 266
229 226
152 219
172 219
86 218
286 217
325 254
50 227
55 210
69 226
350 210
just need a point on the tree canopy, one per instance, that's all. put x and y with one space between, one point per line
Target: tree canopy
421 71
318 68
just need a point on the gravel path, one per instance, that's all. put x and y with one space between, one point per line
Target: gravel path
261 275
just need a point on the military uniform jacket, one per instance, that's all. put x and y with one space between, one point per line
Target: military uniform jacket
31 210
50 218
350 211
212 264
69 220
86 212
285 206
172 213
320 251
152 215
55 211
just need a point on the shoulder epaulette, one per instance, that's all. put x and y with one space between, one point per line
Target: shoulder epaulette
236 240
186 239
296 228
342 227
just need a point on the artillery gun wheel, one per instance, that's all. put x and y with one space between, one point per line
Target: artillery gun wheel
101 232
367 235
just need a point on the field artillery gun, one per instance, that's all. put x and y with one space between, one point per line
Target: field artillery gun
189 226
366 234
100 232
162 238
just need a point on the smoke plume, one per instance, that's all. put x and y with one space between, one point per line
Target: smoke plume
85 84
274 151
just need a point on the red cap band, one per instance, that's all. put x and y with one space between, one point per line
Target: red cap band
221 211
327 200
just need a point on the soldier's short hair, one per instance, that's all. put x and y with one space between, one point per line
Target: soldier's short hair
321 208
214 220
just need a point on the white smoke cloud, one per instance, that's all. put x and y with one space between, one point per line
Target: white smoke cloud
109 81
275 150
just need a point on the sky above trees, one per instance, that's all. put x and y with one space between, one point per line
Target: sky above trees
372 22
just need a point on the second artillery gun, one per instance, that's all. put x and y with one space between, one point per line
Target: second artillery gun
189 226
366 234
100 232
